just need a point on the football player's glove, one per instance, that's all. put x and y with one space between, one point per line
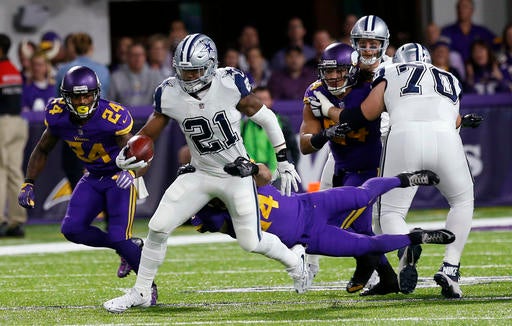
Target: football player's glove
471 120
185 168
26 197
338 130
129 163
325 104
286 171
124 179
241 167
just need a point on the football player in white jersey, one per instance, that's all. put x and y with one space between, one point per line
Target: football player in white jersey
370 38
423 105
207 102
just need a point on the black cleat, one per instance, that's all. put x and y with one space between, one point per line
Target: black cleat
381 288
407 273
440 236
418 178
448 279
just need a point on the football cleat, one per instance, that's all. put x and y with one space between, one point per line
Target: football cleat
381 288
448 279
299 273
407 273
125 268
418 178
365 266
312 271
441 236
133 298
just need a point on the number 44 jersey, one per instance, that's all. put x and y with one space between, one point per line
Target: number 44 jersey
209 120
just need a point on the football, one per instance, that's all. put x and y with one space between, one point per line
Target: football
140 146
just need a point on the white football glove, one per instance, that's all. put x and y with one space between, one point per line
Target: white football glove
128 163
325 103
289 177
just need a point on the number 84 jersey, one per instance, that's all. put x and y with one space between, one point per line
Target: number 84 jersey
211 124
420 92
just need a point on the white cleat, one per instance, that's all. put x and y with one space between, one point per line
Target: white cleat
133 298
299 272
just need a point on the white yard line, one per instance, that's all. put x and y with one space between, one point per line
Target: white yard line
58 247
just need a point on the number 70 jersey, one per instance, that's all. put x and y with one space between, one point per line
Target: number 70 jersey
211 125
418 91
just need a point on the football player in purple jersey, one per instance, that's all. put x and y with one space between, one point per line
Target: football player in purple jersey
313 219
356 152
96 130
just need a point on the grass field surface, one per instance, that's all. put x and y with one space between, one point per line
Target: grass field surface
220 284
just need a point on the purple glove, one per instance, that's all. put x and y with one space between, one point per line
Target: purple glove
26 196
124 179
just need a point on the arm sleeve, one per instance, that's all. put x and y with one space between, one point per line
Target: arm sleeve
268 121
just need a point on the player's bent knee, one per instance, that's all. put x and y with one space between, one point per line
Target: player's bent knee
247 239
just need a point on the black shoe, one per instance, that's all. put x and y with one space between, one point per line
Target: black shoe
441 236
365 265
16 231
407 273
448 279
418 178
381 288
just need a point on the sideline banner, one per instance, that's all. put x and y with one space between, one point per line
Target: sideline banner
488 150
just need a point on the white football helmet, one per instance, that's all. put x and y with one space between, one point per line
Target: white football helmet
373 28
195 52
411 52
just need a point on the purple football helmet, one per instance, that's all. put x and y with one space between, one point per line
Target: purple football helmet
342 59
77 81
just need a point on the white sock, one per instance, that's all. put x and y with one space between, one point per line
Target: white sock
153 254
272 247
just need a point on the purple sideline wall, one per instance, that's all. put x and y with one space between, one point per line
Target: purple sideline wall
488 150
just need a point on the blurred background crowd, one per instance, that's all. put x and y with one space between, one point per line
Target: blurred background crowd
281 59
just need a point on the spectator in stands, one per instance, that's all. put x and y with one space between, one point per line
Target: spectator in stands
259 72
256 140
84 49
296 38
321 39
121 52
53 46
40 87
290 82
348 23
464 32
231 58
248 39
69 48
483 75
158 50
505 55
390 51
432 36
26 49
177 32
14 130
134 84
440 54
